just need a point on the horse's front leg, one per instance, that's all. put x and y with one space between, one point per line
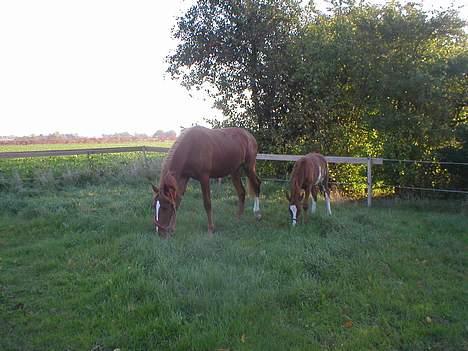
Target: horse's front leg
205 187
236 180
313 200
305 202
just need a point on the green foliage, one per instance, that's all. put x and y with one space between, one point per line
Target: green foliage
240 51
82 269
362 80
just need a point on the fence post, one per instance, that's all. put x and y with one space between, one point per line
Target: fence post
144 156
88 156
369 182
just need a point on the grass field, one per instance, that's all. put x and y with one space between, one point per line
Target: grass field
63 171
81 269
40 147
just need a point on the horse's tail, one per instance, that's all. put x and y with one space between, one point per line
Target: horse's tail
249 165
253 182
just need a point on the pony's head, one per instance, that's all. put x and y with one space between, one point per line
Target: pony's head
295 203
165 206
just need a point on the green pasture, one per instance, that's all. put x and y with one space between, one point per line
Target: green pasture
40 147
82 269
63 171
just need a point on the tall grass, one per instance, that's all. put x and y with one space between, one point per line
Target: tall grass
81 269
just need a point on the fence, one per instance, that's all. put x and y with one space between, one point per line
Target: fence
369 161
266 157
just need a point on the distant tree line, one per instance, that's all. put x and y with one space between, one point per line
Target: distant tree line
361 79
58 138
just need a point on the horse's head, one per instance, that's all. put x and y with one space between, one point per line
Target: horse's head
165 207
295 203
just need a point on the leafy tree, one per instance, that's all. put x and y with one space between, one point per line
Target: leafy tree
240 52
361 80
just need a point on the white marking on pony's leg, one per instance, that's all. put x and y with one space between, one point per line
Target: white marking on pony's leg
256 208
313 205
327 200
158 206
293 209
319 179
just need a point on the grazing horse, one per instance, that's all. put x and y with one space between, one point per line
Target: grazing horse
308 175
201 153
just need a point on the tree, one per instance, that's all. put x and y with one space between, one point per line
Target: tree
240 51
361 80
401 76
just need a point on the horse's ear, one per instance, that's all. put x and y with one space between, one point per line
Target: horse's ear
155 189
288 197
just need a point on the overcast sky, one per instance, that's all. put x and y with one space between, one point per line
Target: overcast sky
92 67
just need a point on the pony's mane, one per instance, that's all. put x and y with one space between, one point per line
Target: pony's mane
297 174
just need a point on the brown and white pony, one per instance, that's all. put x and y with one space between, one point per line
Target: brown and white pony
201 153
310 174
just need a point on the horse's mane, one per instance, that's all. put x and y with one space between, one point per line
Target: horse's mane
297 174
170 155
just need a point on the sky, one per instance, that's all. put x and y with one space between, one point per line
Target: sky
94 67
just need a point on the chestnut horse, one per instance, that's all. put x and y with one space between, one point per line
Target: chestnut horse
308 175
201 153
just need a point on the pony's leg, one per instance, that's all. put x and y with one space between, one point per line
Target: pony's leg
313 200
236 180
205 187
305 201
327 200
254 183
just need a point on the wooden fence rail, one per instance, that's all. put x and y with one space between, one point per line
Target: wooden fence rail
73 152
369 161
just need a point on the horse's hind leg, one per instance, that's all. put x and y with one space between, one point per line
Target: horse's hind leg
236 180
254 183
327 200
205 187
305 201
326 192
313 199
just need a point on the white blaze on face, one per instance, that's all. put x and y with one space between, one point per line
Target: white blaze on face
293 209
158 206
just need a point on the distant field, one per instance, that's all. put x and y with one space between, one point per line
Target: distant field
63 171
81 269
37 147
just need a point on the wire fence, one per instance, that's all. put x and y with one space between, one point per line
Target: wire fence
426 162
265 157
